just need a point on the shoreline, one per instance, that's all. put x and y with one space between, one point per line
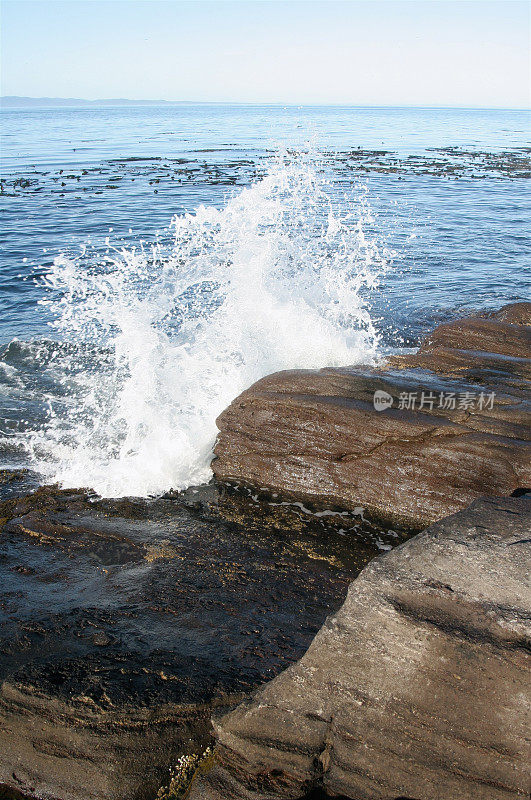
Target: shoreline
256 571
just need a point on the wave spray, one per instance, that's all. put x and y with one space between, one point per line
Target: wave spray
158 341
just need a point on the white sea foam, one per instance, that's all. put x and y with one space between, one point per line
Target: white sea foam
273 280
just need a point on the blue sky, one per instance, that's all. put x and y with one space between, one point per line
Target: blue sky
443 52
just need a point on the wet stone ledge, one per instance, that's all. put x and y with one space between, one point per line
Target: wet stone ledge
320 437
124 624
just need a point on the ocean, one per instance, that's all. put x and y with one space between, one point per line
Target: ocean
157 260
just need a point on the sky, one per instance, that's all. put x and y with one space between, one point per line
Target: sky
399 52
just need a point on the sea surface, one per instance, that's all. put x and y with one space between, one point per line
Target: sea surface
156 260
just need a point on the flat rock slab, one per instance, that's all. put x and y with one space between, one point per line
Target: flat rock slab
417 688
123 624
457 429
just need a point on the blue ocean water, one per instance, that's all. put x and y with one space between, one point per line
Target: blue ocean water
300 237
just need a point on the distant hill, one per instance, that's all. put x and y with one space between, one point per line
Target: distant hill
14 101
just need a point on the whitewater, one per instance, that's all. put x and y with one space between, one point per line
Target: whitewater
155 341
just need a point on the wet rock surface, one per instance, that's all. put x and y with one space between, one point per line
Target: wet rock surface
417 688
456 429
124 623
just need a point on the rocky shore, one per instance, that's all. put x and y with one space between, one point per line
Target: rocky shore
457 429
126 625
417 688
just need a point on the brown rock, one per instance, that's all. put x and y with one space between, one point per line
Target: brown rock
123 625
518 313
486 335
417 688
316 436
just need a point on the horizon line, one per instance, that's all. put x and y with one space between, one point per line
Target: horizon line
289 104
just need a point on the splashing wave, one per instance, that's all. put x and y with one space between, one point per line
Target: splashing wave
157 341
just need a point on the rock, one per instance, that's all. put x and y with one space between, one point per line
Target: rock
315 436
16 482
517 313
417 688
123 624
486 335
